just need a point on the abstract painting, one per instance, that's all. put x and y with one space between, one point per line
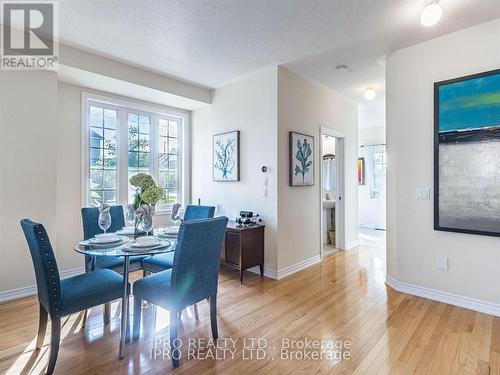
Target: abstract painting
301 159
361 171
226 156
467 154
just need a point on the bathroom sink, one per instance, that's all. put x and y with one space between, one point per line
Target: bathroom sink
328 204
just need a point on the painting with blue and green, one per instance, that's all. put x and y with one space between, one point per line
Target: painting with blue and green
469 111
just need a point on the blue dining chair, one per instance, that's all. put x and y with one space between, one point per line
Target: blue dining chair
193 277
158 263
162 262
90 219
58 298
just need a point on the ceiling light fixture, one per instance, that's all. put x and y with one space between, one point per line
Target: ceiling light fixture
370 93
431 14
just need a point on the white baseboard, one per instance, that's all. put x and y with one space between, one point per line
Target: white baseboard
445 297
268 272
287 271
352 244
31 290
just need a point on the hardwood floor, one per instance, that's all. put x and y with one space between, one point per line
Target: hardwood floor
343 299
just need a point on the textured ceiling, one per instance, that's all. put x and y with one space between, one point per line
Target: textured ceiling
211 42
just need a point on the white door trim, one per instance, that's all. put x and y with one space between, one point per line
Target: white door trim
340 151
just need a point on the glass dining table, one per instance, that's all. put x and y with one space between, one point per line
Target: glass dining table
123 249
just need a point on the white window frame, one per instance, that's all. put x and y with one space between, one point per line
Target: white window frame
123 108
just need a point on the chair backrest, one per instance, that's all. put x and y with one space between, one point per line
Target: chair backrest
194 212
48 281
195 271
90 217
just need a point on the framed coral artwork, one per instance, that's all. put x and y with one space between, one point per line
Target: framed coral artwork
301 159
226 156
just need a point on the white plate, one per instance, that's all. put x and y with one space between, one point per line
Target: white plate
161 244
126 230
145 243
170 231
121 240
105 240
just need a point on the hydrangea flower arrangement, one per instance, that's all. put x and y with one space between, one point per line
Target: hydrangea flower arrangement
147 191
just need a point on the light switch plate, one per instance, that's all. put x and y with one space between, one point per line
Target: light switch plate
423 194
442 262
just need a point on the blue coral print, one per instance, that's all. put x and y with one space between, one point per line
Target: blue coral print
303 156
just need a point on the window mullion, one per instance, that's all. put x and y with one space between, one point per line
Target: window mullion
123 157
153 148
180 163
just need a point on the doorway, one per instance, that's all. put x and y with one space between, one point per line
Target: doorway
332 188
372 162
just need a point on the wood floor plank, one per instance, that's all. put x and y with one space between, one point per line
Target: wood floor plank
342 299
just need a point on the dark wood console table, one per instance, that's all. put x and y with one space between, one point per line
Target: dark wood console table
243 247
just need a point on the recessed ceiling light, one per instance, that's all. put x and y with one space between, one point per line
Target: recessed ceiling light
431 14
370 93
342 68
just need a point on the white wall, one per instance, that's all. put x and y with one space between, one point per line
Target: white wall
412 243
28 182
371 115
304 106
371 131
69 222
371 136
248 105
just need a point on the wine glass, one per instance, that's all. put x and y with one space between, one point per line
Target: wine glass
147 224
104 219
175 217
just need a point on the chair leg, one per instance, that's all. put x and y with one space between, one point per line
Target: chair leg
144 274
84 318
107 313
175 352
42 327
137 319
54 344
196 314
213 317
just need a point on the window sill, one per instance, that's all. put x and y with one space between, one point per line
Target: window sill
167 211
